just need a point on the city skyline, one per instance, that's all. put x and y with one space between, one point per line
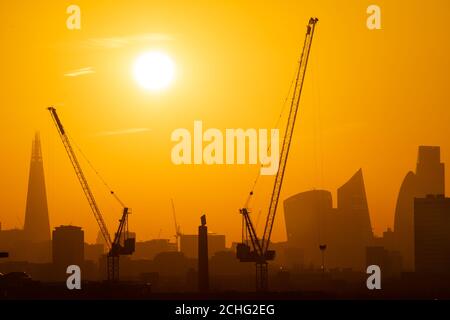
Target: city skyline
225 150
37 176
366 93
427 175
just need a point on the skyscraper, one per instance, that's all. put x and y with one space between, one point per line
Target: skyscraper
306 216
37 225
429 179
312 221
355 218
432 234
430 172
68 248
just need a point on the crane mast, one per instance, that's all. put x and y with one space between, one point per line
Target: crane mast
259 251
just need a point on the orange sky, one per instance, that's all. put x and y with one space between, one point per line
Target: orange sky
370 99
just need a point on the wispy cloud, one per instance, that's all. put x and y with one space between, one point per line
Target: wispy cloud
119 42
123 132
80 72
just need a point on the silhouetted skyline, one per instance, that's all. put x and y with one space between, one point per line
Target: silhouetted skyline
318 162
310 218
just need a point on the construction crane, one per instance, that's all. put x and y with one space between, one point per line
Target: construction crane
177 226
121 244
257 250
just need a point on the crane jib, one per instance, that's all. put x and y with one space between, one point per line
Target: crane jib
58 122
288 134
81 178
116 249
260 253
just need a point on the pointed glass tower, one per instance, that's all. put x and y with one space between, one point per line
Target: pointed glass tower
37 225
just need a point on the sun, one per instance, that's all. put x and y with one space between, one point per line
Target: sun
154 70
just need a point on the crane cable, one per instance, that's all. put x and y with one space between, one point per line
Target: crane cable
277 124
317 131
318 134
318 143
96 171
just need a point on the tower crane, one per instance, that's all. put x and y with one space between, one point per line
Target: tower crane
177 226
121 244
257 250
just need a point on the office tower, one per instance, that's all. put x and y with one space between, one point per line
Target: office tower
312 221
68 248
37 225
305 217
432 234
354 222
430 172
429 179
352 201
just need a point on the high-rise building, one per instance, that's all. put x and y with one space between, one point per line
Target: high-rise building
37 225
32 243
430 172
305 215
352 201
432 234
68 248
312 221
354 221
429 179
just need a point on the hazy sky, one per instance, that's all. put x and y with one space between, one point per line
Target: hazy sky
370 99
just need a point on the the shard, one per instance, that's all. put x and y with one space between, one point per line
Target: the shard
37 224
